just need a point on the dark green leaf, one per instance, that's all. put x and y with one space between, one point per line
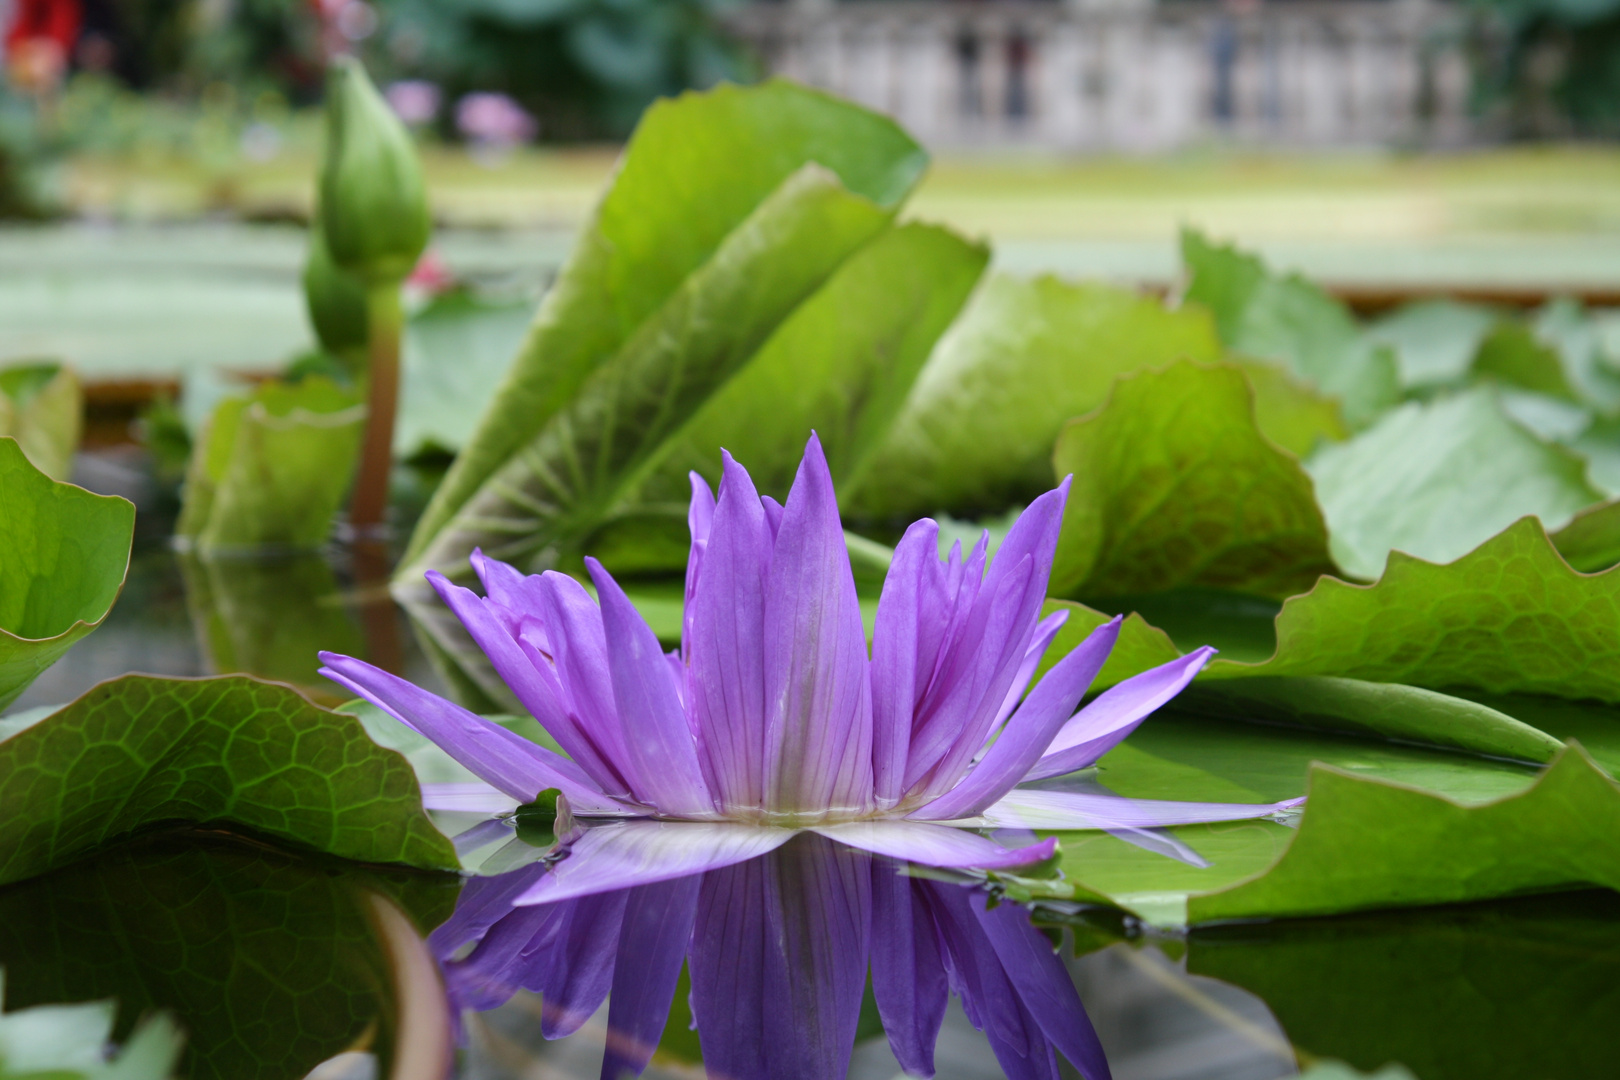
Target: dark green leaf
976 432
1174 485
63 556
666 215
139 750
1438 480
271 964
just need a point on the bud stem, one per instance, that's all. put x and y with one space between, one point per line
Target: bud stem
385 320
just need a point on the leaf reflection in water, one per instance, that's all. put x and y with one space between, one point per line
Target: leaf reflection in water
778 951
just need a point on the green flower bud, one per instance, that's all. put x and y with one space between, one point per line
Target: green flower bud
336 301
374 204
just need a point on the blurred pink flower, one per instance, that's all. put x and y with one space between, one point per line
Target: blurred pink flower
493 120
415 101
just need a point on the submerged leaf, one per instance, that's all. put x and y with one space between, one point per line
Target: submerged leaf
1175 485
234 750
976 430
63 556
1437 480
1366 843
42 407
665 217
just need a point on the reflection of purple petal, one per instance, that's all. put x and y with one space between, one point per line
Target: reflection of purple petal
1029 731
505 759
908 975
1025 808
1105 723
653 938
779 961
483 902
642 851
933 845
1044 986
467 796
979 979
575 977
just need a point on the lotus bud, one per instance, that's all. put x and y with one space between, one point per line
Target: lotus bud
336 300
373 199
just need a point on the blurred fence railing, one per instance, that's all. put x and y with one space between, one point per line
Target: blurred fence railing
1132 75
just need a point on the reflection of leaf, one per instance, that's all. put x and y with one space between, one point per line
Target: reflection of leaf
63 556
1437 480
42 407
139 749
1290 319
1508 617
1175 485
272 468
72 1042
269 963
664 219
1365 843
1518 988
269 617
976 432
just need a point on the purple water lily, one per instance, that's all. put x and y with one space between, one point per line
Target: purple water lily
771 719
779 950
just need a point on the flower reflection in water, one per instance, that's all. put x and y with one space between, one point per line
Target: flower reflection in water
778 950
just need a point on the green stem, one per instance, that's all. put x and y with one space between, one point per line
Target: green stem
385 322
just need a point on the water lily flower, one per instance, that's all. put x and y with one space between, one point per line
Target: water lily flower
779 950
772 718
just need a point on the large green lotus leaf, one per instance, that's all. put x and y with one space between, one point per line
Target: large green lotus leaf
1026 356
1286 318
138 750
546 501
1497 991
1139 646
270 617
1290 412
1511 354
666 215
73 1042
1435 341
840 365
271 964
42 407
63 556
1174 485
1179 755
1437 480
1509 617
455 352
272 468
1367 843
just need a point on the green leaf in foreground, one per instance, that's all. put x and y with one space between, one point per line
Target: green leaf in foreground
271 964
1371 844
1175 485
666 215
139 750
273 467
976 431
1509 617
1437 480
63 556
1499 991
42 407
1286 318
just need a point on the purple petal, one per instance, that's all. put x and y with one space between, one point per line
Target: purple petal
510 956
818 734
699 520
575 978
908 973
895 656
1105 723
1045 631
482 902
770 999
1027 808
979 979
640 852
1043 984
724 647
506 584
1029 731
658 742
527 674
773 514
653 938
934 845
503 758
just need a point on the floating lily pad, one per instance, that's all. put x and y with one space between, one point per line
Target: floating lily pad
63 556
139 750
42 407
